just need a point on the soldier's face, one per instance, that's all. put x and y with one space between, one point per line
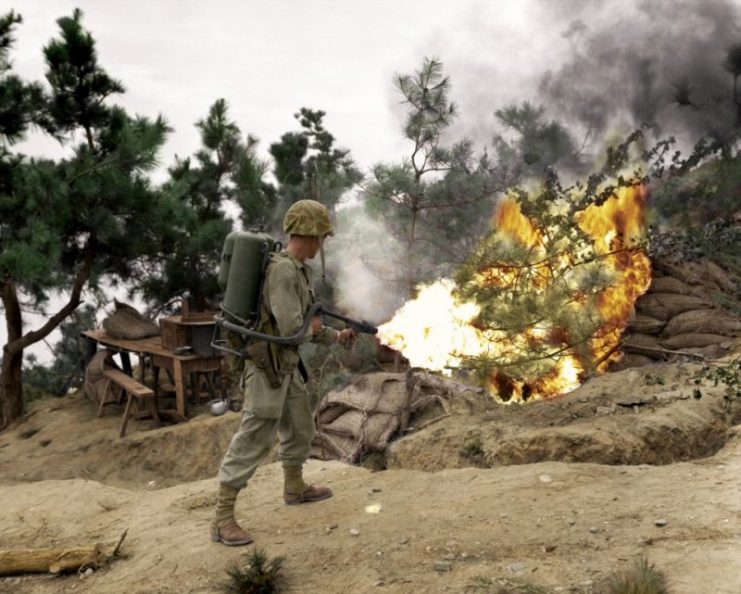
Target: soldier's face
316 244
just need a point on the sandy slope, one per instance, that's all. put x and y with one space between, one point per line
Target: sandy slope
557 524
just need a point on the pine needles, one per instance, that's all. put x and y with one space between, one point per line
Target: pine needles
256 574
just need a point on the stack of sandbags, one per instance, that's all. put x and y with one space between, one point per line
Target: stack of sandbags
687 310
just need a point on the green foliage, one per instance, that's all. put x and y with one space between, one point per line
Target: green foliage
309 165
643 578
255 574
224 169
693 196
437 200
729 374
539 144
473 448
65 225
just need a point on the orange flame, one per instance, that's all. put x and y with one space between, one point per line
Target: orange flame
435 330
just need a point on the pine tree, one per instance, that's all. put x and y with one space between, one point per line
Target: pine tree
225 169
69 224
438 199
309 165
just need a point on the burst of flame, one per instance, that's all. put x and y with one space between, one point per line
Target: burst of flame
435 331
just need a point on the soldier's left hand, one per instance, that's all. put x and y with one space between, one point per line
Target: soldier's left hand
346 336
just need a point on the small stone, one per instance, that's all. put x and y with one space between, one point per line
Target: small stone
545 478
333 526
503 515
404 541
517 567
451 544
428 549
442 566
660 522
572 522
549 548
379 583
594 529
354 532
464 555
151 484
449 557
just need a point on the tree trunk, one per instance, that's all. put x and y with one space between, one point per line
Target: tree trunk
11 380
411 268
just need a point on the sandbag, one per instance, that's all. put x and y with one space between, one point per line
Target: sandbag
95 382
711 321
664 306
669 284
643 344
696 272
126 322
642 324
383 393
631 360
693 339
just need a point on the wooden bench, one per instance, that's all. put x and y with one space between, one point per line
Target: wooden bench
134 390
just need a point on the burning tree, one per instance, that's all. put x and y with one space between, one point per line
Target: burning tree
545 296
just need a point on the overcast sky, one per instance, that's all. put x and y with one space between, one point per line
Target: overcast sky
606 64
268 59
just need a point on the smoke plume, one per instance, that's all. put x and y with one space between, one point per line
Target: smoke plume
360 261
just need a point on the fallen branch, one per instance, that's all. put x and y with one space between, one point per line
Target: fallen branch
670 352
56 559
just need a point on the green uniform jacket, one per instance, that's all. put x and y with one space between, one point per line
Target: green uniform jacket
287 296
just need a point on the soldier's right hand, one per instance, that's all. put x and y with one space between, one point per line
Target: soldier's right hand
316 325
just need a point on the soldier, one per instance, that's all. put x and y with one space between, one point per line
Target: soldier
276 399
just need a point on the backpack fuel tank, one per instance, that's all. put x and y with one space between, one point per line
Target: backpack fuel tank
241 273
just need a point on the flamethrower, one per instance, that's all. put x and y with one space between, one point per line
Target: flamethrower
317 309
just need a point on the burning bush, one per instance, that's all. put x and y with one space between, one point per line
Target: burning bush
545 296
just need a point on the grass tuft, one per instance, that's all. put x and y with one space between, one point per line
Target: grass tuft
256 574
643 578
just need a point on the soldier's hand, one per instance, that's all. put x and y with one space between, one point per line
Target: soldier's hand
316 325
346 336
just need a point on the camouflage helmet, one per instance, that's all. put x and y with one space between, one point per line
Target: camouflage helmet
307 217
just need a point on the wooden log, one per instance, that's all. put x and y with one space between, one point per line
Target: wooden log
56 559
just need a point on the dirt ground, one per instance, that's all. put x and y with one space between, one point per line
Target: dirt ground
558 494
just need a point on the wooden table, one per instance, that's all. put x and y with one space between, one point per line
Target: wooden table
180 366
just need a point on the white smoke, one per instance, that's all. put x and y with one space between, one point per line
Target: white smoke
362 263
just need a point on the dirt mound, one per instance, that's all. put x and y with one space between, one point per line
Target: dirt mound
63 438
652 415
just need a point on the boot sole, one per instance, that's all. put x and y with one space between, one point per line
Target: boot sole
312 500
232 543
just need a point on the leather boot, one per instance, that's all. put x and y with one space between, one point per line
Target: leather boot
224 527
297 491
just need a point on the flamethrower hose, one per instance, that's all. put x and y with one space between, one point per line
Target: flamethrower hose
295 339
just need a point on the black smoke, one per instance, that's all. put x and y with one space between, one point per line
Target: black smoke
655 62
